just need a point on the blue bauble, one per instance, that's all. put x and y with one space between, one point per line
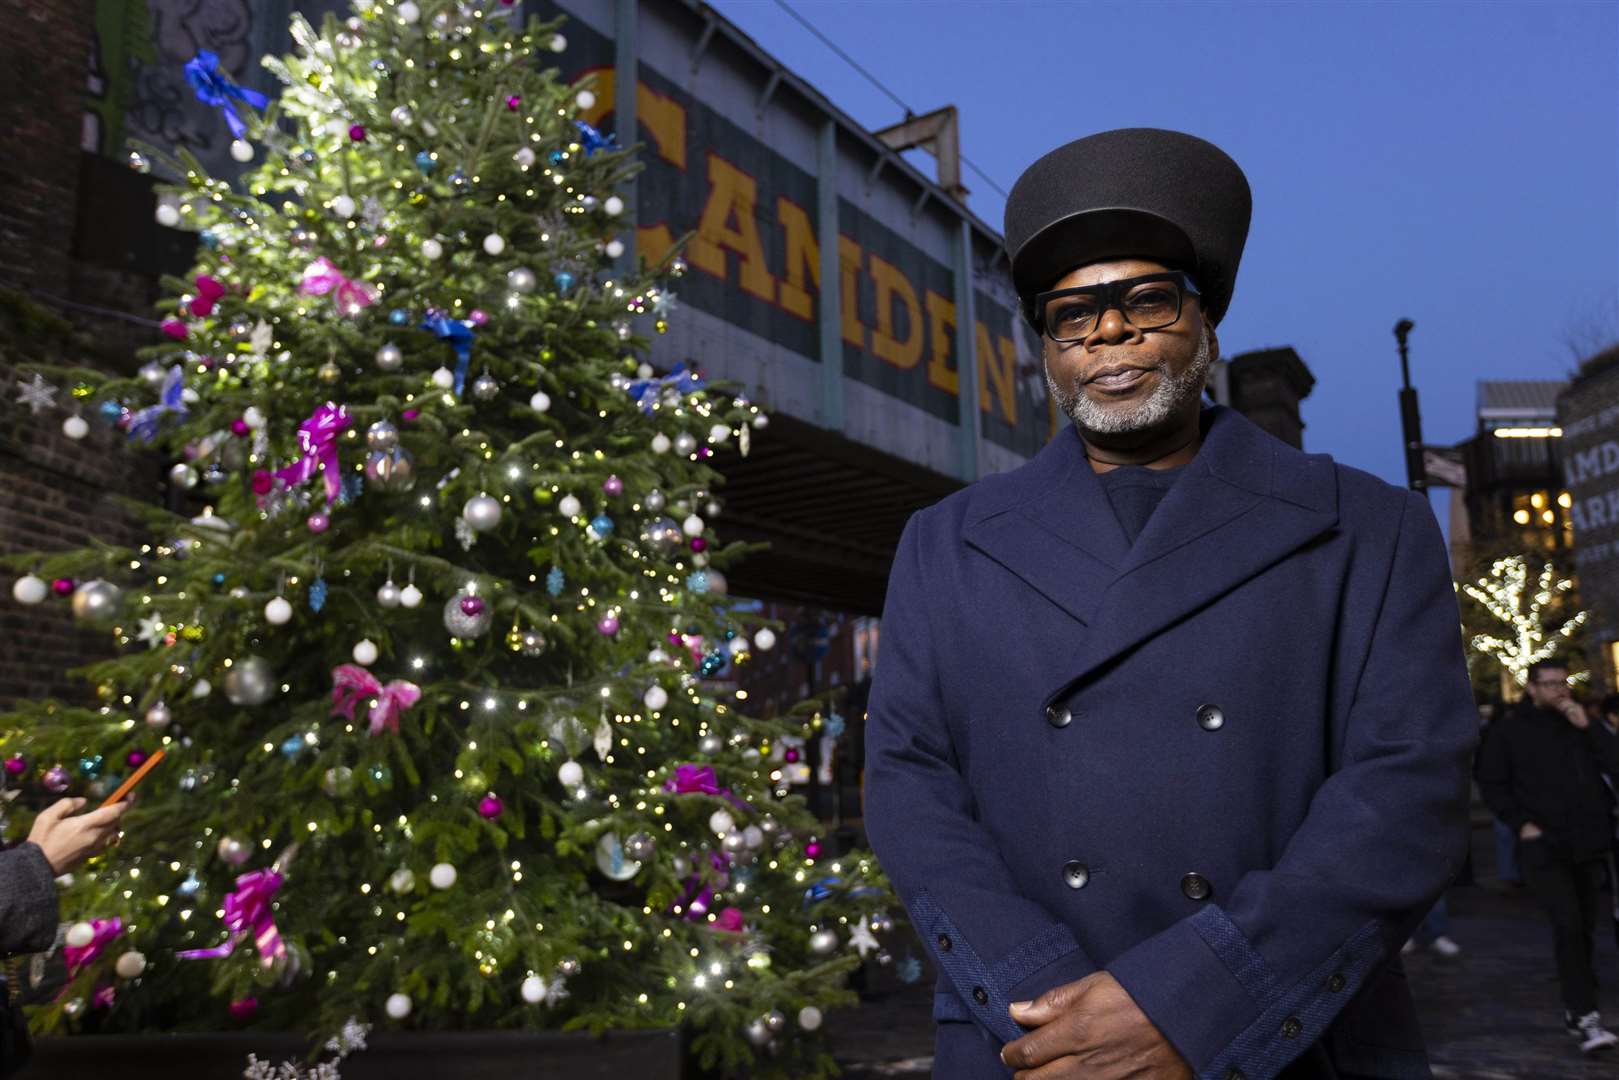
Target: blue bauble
399 316
564 281
219 578
556 157
425 162
112 410
293 745
209 239
459 181
601 525
90 766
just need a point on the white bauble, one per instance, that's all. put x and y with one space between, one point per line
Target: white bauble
398 1006
444 378
431 249
80 934
572 774
721 822
765 639
660 443
753 837
158 716
692 526
75 427
524 157
540 402
130 965
719 433
482 512
823 941
253 417
389 357
343 206
168 215
202 689
534 989
408 12
365 653
613 206
494 243
568 506
809 1018
558 43
585 99
278 612
442 875
29 590
761 421
614 248
410 596
402 880
241 150
655 698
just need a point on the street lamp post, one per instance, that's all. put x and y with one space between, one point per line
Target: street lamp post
1410 416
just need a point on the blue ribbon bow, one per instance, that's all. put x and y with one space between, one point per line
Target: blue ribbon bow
459 336
645 392
143 425
215 89
591 139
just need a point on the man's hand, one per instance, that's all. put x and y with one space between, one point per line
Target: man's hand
1092 1029
1530 831
68 841
1575 713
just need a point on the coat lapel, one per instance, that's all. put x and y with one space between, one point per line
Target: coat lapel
1245 502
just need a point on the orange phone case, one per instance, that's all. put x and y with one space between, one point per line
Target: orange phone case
140 774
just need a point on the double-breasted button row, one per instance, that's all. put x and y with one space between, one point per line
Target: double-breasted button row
1336 982
1291 1027
1196 887
980 995
945 943
1059 716
1210 717
1075 874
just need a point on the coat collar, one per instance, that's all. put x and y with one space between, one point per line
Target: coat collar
1244 502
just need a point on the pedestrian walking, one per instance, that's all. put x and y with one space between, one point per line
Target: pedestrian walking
1541 773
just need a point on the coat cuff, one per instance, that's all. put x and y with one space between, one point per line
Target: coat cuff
1223 1009
986 990
34 905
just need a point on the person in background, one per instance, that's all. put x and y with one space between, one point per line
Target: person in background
1434 933
1541 773
1606 712
1506 840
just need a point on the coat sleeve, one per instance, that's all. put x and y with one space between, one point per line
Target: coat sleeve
29 908
1495 777
1243 987
994 945
1604 746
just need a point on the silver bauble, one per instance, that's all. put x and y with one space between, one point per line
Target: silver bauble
233 851
775 1020
754 837
569 966
381 435
531 643
339 780
183 476
392 470
388 594
612 860
758 1032
485 388
685 442
710 744
390 357
250 681
521 279
717 585
823 941
769 826
462 625
96 602
680 865
654 500
640 846
662 535
733 843
158 716
402 880
482 512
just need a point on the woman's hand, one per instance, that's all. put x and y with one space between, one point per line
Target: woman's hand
68 841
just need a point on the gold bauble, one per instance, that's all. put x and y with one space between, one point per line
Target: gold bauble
328 372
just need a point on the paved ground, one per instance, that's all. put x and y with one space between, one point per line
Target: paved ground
1489 1014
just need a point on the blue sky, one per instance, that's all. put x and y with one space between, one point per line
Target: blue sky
1457 164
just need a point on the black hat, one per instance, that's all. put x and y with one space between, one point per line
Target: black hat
1141 192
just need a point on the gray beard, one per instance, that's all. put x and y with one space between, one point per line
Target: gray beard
1172 395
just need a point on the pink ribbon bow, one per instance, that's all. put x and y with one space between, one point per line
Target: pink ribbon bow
352 684
247 912
322 277
317 438
699 779
729 920
209 290
77 956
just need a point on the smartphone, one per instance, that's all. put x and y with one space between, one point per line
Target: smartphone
140 774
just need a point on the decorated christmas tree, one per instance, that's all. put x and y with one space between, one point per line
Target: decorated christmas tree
1515 623
430 650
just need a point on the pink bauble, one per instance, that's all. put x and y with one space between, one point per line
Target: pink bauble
239 427
477 316
410 415
613 486
791 756
698 543
318 522
608 625
57 779
515 100
175 329
63 586
705 452
136 758
490 806
357 132
472 606
242 1008
262 482
813 849
16 766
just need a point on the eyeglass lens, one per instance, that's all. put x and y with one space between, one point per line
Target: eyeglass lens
1150 305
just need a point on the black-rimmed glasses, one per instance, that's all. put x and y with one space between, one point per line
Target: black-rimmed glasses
1148 302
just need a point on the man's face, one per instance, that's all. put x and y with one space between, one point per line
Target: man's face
1549 687
1119 380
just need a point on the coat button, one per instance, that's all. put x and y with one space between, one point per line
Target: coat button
1210 717
944 943
1196 886
1291 1028
1336 983
1076 874
1058 716
980 995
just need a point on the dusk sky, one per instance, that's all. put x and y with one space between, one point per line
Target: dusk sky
1457 164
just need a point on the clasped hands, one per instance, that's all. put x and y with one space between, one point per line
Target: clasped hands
1092 1029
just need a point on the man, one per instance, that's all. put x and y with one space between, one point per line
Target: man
1541 771
1167 747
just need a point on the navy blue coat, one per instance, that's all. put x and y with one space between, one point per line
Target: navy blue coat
1227 763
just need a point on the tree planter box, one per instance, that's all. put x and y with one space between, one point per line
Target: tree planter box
496 1055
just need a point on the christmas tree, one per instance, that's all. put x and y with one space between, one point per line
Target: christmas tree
431 668
1516 623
